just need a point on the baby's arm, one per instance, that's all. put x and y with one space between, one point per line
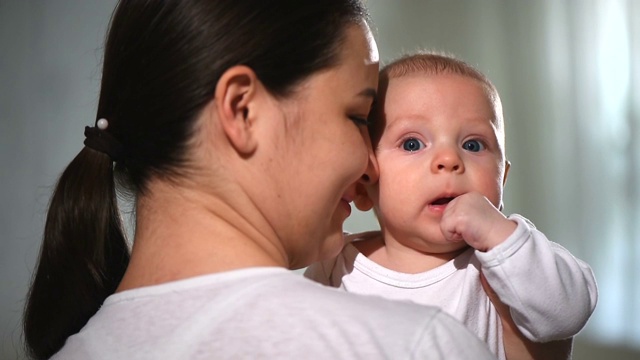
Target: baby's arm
516 345
551 294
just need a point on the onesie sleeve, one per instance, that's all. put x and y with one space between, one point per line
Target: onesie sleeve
551 293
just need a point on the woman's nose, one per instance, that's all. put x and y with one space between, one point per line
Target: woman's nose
371 173
363 200
447 160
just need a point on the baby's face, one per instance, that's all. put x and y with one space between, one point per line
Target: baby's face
443 138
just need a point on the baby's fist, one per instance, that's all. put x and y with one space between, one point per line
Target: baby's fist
472 218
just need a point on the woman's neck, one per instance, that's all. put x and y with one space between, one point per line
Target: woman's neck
181 233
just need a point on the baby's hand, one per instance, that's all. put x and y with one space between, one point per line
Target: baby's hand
472 218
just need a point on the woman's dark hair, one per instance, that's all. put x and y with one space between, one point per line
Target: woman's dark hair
162 61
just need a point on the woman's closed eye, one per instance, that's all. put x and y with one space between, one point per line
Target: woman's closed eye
360 121
412 144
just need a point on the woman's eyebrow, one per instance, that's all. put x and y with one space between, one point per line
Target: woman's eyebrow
370 93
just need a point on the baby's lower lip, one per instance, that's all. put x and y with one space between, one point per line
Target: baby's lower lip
437 207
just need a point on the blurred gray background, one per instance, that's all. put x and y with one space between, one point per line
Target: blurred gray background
568 73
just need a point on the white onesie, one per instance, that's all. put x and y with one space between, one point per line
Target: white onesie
550 292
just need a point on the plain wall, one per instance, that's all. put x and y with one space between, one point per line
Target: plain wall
49 77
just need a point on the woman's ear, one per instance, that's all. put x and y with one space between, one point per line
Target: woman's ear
234 94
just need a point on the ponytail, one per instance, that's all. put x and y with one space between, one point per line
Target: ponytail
83 257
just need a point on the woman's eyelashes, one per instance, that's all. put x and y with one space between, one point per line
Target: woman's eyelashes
360 121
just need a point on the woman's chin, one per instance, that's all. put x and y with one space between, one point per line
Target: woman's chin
333 245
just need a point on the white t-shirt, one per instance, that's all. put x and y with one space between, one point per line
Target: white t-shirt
551 293
265 313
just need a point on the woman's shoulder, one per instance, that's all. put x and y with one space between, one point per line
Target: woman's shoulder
281 311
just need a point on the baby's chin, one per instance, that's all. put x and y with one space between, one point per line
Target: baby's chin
444 248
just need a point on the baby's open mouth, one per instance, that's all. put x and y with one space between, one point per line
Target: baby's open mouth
442 201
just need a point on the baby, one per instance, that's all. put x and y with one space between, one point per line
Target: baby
438 135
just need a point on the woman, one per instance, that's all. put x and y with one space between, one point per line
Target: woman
239 128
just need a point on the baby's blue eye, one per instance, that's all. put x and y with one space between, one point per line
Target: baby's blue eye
412 144
473 146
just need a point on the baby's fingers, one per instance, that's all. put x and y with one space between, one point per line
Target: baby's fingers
449 228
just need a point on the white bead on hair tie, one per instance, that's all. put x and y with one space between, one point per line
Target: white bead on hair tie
103 124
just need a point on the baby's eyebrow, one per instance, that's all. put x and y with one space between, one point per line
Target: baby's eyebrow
403 122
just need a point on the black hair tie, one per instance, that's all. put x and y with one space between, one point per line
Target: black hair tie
98 139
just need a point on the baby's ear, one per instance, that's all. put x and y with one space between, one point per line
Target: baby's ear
362 201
